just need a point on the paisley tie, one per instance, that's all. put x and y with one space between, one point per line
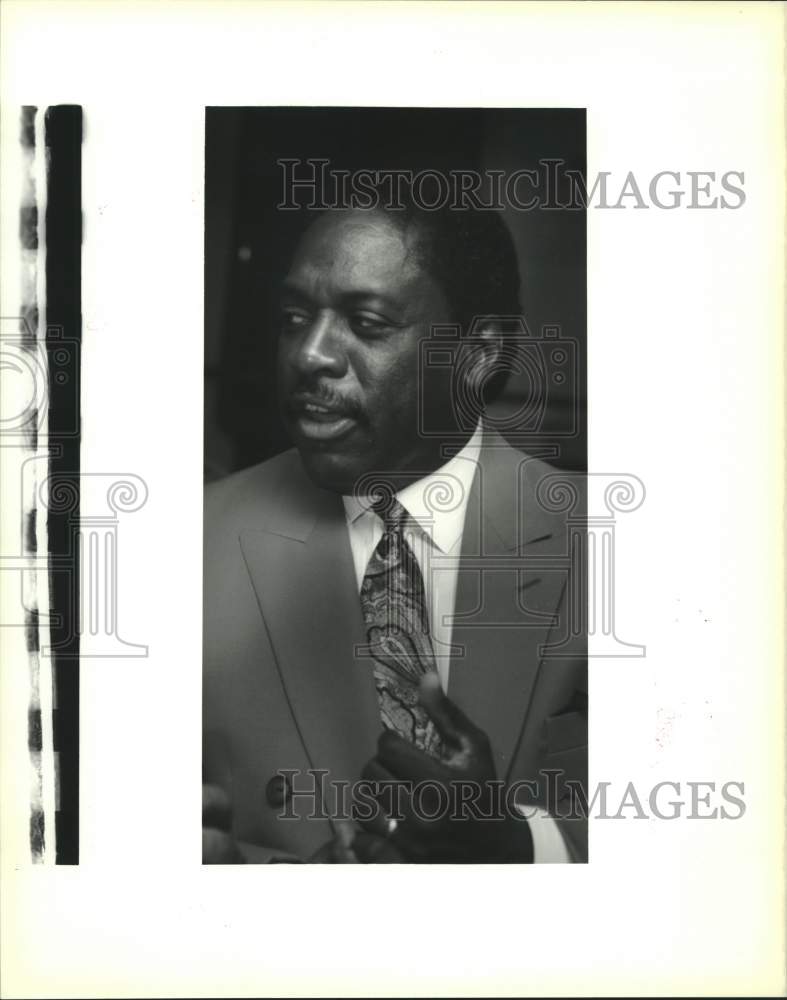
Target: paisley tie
397 629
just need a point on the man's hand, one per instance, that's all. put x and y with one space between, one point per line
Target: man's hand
218 845
349 846
459 831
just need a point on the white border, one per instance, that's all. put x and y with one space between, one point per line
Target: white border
685 328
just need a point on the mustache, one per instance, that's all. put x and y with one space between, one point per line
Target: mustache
324 395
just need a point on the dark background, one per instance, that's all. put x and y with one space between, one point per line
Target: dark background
248 242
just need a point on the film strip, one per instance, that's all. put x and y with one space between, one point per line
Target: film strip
40 437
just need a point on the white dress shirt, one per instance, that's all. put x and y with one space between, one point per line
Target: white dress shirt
436 507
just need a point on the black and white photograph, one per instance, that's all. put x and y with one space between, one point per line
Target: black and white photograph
392 499
394 644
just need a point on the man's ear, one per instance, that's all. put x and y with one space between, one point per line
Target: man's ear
480 355
490 333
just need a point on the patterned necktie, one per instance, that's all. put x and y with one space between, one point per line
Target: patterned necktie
397 629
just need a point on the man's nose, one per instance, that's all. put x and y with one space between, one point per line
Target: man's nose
321 349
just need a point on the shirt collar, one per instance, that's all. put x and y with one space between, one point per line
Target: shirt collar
438 501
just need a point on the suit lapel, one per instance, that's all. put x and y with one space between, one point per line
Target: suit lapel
507 597
302 572
301 567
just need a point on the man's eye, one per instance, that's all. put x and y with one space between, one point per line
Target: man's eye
293 319
363 323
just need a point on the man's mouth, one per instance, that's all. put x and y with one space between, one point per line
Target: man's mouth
320 421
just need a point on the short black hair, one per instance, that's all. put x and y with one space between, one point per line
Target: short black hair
470 253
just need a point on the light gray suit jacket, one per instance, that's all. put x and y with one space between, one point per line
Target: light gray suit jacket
284 688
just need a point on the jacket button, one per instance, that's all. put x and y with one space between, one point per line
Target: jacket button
277 791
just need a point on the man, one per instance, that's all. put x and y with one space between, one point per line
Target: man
379 599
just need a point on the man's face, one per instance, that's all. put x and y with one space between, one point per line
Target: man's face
355 306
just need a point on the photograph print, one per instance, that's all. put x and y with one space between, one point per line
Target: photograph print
394 627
